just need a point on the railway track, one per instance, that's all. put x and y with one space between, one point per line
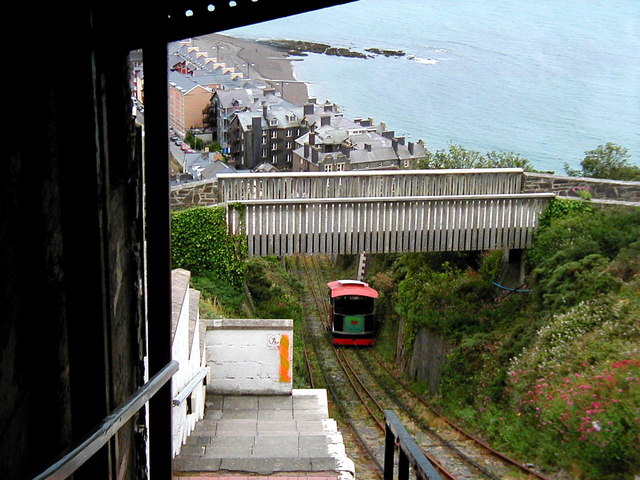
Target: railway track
362 387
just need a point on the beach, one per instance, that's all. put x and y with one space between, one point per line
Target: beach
261 62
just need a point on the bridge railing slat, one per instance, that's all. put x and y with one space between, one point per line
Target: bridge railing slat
390 224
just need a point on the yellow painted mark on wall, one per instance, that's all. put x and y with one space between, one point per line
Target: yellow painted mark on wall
285 360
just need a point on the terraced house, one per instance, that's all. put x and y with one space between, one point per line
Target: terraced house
338 144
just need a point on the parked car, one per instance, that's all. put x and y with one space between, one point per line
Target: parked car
178 142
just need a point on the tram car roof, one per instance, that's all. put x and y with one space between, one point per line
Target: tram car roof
341 288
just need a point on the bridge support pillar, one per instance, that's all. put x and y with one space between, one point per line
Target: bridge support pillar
513 268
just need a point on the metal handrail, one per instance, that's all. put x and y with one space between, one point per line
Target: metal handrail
76 457
409 452
190 387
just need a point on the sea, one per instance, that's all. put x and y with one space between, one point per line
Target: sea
545 79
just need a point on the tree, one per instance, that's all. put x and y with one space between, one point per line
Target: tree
458 156
607 161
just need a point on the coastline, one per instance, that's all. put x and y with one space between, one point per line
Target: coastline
263 63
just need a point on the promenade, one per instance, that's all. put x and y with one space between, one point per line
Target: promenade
261 62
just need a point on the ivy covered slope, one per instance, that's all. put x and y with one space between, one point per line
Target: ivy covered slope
200 243
550 374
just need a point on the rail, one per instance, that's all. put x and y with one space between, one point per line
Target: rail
372 184
190 387
77 456
409 452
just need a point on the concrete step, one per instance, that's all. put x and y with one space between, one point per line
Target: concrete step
263 435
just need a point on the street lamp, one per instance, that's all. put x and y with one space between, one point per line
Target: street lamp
282 84
248 65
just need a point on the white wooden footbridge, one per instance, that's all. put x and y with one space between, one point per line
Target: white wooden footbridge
381 211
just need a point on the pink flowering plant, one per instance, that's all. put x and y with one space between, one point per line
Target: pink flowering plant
587 404
596 411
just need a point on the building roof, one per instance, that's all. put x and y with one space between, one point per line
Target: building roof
228 97
269 108
341 288
185 83
217 167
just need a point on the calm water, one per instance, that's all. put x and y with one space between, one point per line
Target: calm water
545 79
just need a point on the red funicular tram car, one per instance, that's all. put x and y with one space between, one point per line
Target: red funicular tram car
351 319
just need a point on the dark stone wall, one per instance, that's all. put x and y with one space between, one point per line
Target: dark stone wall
71 330
567 187
194 194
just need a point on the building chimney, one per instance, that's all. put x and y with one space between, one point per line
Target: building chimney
367 147
312 138
400 140
411 147
388 134
394 145
264 110
312 100
328 107
308 109
269 91
365 123
306 151
325 120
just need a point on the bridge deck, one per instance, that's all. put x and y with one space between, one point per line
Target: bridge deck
381 211
388 224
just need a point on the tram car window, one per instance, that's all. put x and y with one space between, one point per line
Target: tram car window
351 318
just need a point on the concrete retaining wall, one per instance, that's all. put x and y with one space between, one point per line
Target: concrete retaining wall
244 356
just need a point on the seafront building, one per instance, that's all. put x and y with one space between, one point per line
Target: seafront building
265 132
224 103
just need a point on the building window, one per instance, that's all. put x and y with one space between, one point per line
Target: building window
274 159
340 167
289 145
289 132
274 134
264 153
289 158
274 146
328 168
274 121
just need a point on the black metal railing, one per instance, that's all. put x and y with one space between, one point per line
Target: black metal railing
409 452
77 456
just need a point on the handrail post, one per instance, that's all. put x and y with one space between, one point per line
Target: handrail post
389 452
409 452
403 466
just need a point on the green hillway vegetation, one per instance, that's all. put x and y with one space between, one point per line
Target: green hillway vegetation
550 374
232 285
